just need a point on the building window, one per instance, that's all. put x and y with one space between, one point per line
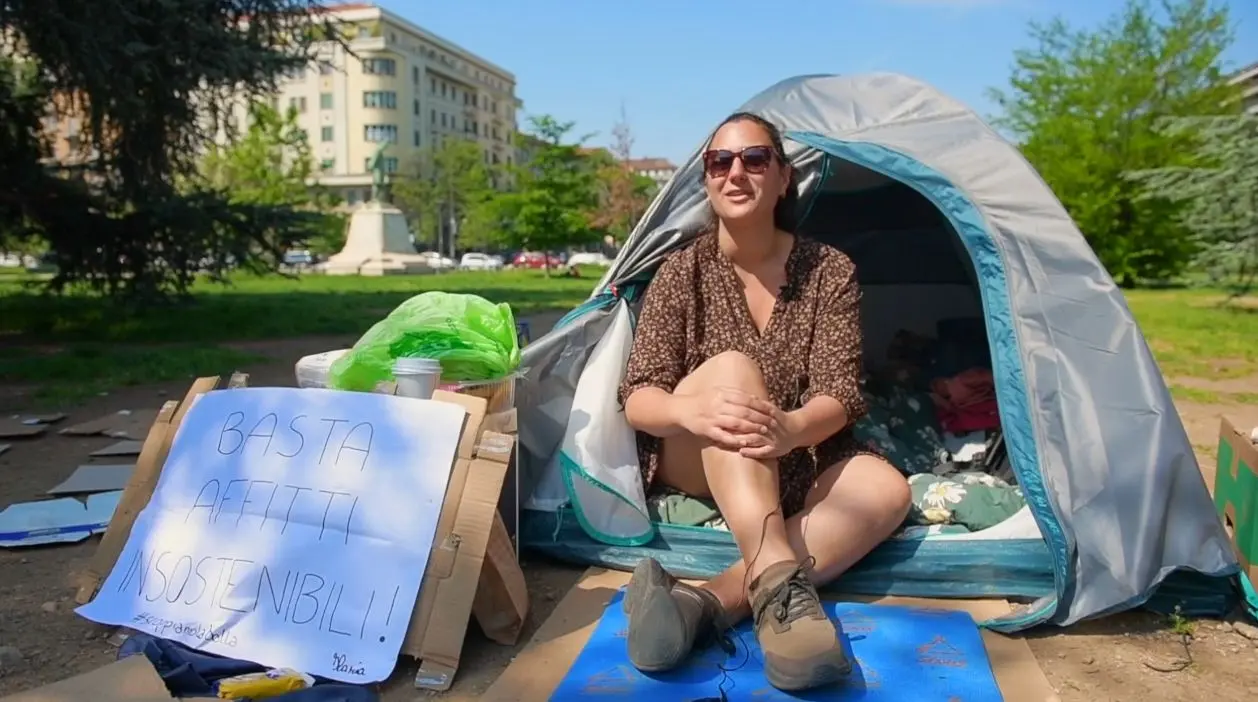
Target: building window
415 75
443 90
434 116
443 119
326 134
325 101
416 107
416 137
389 163
378 133
380 66
381 99
327 164
297 103
432 85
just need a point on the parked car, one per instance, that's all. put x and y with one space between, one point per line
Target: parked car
537 260
479 262
589 259
437 262
298 258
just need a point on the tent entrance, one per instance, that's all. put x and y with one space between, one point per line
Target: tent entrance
928 366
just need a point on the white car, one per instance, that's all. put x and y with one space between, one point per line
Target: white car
589 259
436 261
480 262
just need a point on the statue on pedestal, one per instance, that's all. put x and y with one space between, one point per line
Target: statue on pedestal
379 178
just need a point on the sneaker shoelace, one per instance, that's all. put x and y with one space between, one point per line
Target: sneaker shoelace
794 598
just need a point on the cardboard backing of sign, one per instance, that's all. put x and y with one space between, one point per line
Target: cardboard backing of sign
445 604
1236 493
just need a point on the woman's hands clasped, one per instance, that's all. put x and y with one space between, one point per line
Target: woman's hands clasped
738 421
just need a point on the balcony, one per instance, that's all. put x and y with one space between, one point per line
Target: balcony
367 44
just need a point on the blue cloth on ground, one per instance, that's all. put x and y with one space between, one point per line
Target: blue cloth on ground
900 653
191 673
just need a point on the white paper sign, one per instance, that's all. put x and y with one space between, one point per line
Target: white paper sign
291 528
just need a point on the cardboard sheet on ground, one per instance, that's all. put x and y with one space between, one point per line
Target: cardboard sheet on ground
131 679
62 521
94 478
539 671
127 447
290 528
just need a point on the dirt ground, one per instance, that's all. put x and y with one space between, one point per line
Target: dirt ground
1133 656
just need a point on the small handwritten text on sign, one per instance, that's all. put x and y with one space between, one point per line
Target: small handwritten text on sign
290 528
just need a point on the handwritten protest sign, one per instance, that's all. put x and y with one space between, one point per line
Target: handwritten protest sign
290 528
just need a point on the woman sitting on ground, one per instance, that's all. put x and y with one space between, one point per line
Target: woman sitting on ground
742 384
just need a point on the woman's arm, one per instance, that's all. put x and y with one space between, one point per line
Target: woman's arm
658 356
833 400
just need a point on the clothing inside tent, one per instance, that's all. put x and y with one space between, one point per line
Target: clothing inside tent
928 380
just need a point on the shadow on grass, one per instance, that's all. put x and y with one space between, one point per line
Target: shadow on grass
68 376
62 349
232 316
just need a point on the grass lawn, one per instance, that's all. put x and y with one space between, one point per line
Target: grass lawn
1194 335
75 346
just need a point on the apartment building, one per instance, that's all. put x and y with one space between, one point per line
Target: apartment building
660 170
1247 79
401 86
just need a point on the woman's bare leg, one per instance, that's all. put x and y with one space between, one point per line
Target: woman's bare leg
853 507
745 489
849 510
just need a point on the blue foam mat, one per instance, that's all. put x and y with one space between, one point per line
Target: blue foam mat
903 654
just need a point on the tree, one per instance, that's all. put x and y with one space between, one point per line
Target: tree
447 182
271 165
625 194
556 193
1218 191
1086 106
151 83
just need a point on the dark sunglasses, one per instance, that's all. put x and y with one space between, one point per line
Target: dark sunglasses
756 159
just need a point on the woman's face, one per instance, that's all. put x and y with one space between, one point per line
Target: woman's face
743 176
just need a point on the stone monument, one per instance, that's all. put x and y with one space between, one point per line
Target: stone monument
377 240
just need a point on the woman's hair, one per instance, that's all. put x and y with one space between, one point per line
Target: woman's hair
785 212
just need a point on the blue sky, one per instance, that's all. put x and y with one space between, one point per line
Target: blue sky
679 66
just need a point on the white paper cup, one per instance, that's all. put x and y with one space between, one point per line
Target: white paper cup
417 377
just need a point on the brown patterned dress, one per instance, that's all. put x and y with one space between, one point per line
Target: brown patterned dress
695 308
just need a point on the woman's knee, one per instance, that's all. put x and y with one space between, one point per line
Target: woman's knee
870 485
728 369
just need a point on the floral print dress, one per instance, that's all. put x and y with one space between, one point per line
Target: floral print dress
695 308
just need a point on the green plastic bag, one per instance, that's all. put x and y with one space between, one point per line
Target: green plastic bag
473 338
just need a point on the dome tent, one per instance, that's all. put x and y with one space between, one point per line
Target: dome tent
942 216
